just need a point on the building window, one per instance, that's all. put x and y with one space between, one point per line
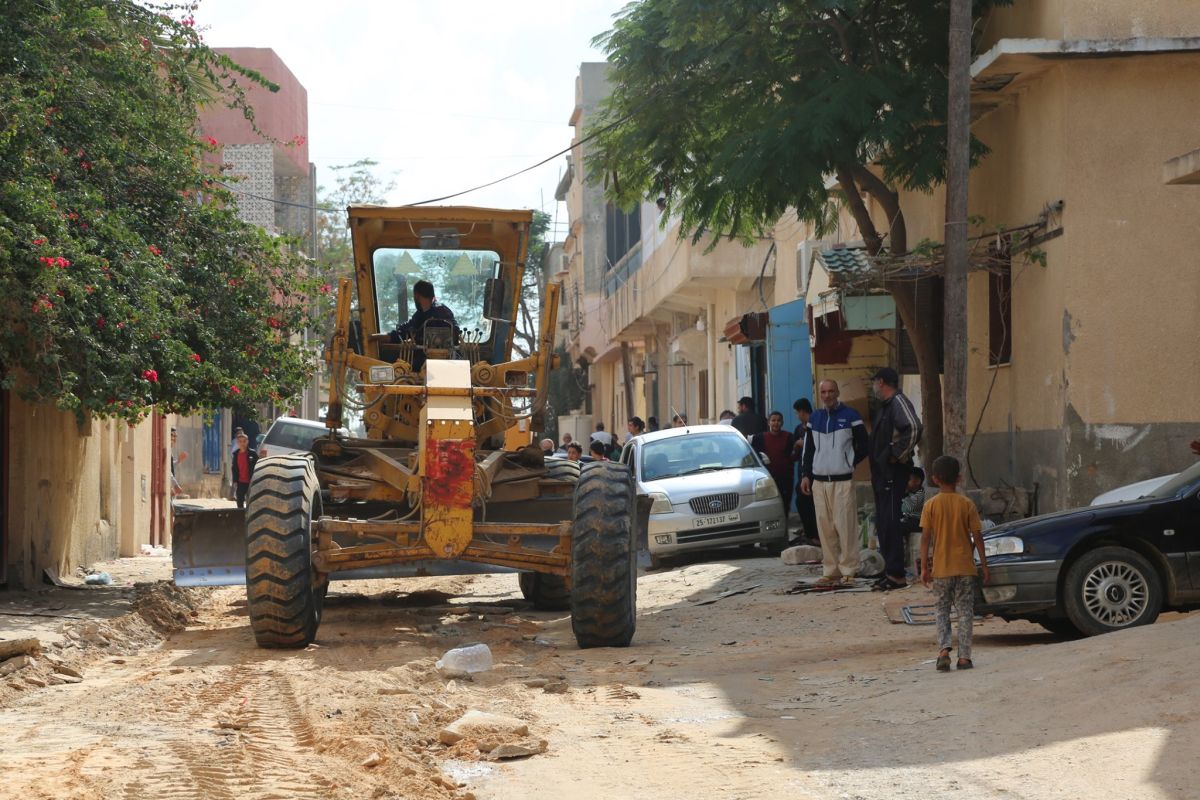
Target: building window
702 386
999 317
622 232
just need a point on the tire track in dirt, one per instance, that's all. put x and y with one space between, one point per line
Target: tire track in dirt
260 745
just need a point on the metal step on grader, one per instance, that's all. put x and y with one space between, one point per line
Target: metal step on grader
447 480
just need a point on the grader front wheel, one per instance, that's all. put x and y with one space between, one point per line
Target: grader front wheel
604 557
283 594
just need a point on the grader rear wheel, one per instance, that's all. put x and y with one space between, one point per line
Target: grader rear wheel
604 557
284 594
546 592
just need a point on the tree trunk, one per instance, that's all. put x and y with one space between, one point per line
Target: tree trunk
904 293
958 165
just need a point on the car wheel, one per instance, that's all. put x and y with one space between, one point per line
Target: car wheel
1111 588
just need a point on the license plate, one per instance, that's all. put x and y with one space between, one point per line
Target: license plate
716 519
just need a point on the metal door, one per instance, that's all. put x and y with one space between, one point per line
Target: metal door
789 360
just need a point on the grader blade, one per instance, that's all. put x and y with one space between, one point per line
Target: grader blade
208 546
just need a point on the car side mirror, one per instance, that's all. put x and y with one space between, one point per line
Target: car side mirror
497 302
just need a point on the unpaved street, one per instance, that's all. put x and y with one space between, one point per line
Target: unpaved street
759 694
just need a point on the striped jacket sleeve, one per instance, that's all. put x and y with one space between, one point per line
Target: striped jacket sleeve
906 428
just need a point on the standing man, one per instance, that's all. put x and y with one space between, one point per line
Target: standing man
242 468
779 446
837 441
177 457
748 421
894 437
804 502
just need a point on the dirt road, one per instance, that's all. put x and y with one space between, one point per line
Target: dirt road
725 694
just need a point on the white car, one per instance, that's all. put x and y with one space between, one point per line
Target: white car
707 488
293 435
1131 492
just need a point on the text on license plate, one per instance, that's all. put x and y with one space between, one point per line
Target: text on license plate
716 519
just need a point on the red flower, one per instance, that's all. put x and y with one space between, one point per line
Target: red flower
325 288
188 21
211 141
155 250
47 260
150 375
89 288
196 357
100 323
86 165
120 325
274 323
234 390
38 242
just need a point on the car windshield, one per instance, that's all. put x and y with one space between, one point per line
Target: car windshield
694 453
293 435
1173 487
458 278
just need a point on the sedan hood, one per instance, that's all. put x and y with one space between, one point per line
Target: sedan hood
1081 516
683 488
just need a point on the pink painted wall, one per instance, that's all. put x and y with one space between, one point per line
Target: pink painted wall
282 115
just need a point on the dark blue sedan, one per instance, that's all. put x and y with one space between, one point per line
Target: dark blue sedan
1102 568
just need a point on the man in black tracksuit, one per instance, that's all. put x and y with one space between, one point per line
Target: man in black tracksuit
894 437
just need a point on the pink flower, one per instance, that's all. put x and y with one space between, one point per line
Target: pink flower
325 288
196 357
150 375
234 390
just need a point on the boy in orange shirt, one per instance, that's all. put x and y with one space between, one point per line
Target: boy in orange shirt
950 526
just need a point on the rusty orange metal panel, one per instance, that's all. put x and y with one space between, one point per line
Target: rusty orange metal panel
447 489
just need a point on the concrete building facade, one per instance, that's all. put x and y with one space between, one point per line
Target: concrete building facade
647 310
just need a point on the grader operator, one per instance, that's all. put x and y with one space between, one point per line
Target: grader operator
433 488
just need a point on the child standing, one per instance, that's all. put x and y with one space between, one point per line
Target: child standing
950 527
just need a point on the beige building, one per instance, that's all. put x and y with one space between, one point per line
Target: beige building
1082 373
647 310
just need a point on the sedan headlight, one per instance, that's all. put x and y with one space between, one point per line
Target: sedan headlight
765 489
1003 546
661 503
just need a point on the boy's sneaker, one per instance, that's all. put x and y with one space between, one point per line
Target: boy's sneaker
943 663
965 663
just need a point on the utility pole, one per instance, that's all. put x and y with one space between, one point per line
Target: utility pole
958 165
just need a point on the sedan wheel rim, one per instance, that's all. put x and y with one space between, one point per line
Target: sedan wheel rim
1115 594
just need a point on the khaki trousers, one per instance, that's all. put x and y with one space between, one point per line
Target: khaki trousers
837 523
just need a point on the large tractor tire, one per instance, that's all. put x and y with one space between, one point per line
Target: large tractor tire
563 470
546 592
283 593
604 557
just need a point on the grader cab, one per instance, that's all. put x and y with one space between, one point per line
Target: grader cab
447 479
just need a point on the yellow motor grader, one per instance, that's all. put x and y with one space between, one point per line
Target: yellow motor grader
439 484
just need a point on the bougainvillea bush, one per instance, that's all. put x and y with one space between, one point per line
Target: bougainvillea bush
126 278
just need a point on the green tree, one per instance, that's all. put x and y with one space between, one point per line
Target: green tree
736 112
126 278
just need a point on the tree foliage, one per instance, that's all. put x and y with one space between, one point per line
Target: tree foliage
126 278
737 111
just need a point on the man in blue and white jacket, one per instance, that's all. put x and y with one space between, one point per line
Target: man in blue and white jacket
836 441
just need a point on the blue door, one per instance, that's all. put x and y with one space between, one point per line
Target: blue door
789 360
213 443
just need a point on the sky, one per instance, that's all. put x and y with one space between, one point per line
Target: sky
444 95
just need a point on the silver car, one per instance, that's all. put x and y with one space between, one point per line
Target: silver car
707 488
293 435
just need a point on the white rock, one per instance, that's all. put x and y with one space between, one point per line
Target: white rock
870 562
373 760
481 723
800 554
525 747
